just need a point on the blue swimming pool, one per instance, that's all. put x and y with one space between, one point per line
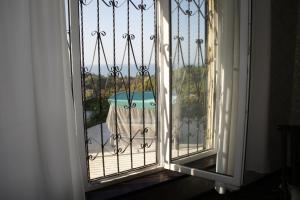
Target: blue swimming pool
122 99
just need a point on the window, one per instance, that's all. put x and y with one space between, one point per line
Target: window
163 83
118 59
192 66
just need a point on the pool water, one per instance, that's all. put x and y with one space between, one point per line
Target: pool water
122 99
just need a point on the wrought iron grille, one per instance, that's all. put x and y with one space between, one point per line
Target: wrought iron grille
190 69
119 87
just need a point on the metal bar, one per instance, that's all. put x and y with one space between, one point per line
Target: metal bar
155 77
178 62
129 83
83 90
117 78
142 7
189 71
198 62
100 86
136 66
115 74
70 49
179 7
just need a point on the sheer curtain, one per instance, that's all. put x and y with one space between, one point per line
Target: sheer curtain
38 147
227 81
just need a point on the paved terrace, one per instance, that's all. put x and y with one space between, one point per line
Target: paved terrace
110 159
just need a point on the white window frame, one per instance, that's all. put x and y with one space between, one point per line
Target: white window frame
235 181
163 60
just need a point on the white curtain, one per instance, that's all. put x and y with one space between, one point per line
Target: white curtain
38 148
227 81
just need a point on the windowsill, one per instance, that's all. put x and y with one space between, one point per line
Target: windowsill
156 181
134 185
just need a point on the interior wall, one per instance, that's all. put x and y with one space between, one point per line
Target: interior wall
295 109
257 140
272 67
283 38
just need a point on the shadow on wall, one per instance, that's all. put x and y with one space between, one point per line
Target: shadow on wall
283 45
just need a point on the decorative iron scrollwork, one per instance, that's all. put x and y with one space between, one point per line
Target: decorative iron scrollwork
85 2
142 6
178 38
128 36
117 137
143 70
131 105
113 3
190 20
94 85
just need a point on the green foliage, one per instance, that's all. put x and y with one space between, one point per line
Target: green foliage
93 105
190 87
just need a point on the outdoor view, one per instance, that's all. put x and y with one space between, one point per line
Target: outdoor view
118 65
189 77
118 84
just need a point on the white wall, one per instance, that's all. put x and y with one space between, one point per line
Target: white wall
257 136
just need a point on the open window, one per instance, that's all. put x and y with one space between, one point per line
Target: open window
209 88
160 84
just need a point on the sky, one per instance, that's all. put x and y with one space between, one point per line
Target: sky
106 25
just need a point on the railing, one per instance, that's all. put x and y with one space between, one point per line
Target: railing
190 69
118 65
